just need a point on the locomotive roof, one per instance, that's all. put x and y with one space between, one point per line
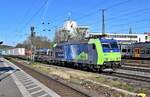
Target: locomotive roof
86 41
108 40
73 42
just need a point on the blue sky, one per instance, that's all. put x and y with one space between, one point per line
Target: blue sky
16 16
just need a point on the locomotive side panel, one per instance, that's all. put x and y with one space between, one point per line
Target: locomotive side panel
77 53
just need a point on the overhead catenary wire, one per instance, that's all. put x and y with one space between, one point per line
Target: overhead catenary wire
137 11
87 15
45 10
24 16
98 10
112 6
128 24
91 12
125 14
130 13
43 21
36 13
133 22
133 27
46 2
117 4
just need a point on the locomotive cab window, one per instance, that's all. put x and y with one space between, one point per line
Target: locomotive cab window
106 45
114 45
148 51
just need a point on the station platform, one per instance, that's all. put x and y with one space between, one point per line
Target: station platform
14 82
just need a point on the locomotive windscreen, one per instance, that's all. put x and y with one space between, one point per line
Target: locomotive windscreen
109 45
114 45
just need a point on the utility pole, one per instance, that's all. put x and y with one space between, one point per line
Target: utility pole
33 48
130 32
103 21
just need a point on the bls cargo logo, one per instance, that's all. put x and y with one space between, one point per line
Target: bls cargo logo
59 54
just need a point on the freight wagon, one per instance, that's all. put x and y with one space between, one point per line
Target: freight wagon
42 55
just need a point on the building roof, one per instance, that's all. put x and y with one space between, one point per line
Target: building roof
96 33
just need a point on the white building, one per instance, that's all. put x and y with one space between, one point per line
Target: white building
71 30
125 38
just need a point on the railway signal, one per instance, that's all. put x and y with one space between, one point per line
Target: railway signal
43 23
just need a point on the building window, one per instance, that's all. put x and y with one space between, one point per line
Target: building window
146 37
128 50
142 51
148 51
124 50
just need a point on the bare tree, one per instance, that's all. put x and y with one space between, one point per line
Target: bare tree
38 41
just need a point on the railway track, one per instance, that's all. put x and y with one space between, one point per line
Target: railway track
131 76
60 88
136 68
145 63
130 59
136 65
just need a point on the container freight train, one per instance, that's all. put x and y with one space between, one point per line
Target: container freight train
14 52
137 51
96 54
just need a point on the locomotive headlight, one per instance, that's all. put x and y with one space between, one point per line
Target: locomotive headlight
118 58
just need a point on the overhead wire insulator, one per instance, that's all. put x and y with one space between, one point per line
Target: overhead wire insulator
43 23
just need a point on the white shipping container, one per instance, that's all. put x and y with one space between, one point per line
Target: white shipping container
16 51
19 51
